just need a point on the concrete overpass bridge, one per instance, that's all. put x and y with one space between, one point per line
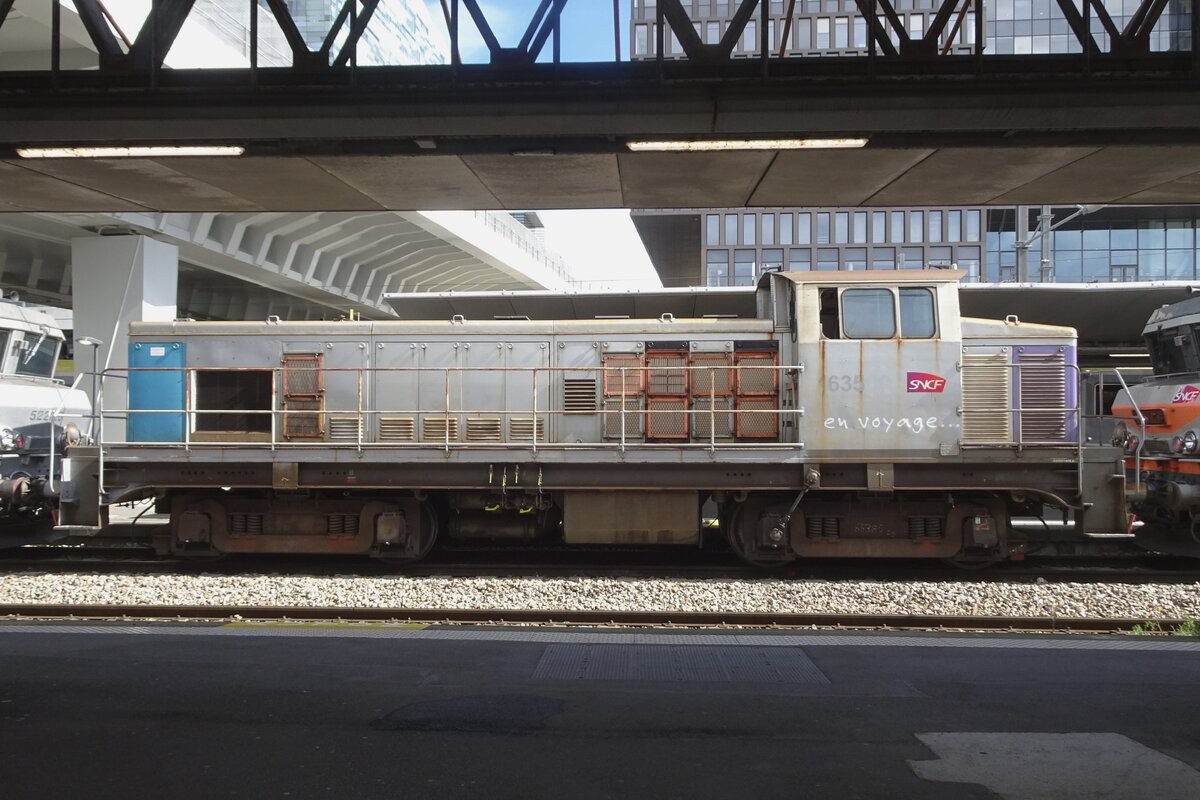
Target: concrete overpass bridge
1115 122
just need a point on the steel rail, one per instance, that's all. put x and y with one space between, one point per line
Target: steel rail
434 616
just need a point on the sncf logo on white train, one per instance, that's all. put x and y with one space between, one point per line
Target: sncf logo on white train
925 382
1185 394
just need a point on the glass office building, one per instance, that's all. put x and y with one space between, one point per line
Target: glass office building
1089 244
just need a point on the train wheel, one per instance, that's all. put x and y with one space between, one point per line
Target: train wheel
414 549
742 539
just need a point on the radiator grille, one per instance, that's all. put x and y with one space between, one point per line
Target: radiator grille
756 374
703 422
396 429
1043 381
483 429
435 429
520 429
633 375
579 395
987 384
716 375
306 426
302 374
343 428
667 374
757 418
667 418
635 418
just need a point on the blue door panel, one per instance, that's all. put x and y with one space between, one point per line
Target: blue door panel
161 388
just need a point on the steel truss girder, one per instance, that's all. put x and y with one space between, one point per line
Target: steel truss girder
162 25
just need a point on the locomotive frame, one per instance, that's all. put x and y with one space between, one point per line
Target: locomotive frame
857 414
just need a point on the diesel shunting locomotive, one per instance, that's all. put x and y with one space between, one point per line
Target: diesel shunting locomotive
853 414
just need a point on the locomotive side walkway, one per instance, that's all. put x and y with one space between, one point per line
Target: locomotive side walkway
365 711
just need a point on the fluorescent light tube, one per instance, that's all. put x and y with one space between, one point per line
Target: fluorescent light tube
704 145
130 152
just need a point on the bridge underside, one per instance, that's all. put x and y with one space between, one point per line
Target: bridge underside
956 131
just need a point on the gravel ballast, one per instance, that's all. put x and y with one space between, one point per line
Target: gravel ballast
968 598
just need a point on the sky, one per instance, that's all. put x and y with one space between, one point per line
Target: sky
587 28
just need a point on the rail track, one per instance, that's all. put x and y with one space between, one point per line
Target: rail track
615 619
612 563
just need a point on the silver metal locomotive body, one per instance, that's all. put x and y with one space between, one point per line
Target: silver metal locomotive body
856 414
36 414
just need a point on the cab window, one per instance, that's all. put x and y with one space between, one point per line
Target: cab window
38 360
868 314
917 319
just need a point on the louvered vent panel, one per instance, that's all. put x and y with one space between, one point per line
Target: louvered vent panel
756 374
987 384
1043 381
434 429
632 374
483 429
713 376
579 395
667 418
666 374
721 417
635 418
520 429
343 428
396 429
757 418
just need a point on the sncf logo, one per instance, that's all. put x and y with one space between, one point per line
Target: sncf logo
1186 394
924 382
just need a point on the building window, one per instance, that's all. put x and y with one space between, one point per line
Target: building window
749 42
827 259
768 228
912 257
935 226
823 227
712 33
841 227
916 226
748 223
883 258
804 228
823 33
799 259
856 258
968 260
718 268
878 227
860 227
772 260
731 229
973 225
785 228
954 234
841 33
743 267
712 229
897 232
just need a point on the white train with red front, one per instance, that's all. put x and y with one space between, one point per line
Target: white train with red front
851 414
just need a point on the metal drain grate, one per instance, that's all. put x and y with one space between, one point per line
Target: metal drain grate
677 663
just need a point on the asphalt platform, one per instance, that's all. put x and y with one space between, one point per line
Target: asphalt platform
374 711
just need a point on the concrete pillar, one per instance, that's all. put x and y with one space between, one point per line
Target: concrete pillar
117 280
